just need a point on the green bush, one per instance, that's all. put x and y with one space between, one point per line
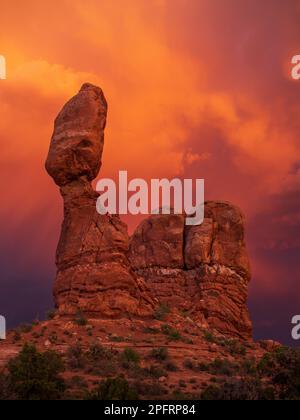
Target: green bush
283 368
50 314
80 319
209 337
223 367
171 367
156 372
238 390
113 389
130 358
6 392
172 333
97 352
189 364
36 376
76 358
160 354
25 328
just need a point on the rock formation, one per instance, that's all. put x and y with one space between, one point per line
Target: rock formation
94 275
202 271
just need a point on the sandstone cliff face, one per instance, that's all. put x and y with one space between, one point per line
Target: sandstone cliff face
94 275
201 270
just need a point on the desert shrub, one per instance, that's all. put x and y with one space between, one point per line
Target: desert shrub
97 352
150 330
114 389
283 368
162 312
101 361
182 383
209 337
238 390
235 348
50 314
249 367
53 338
17 336
118 339
156 371
5 388
77 382
189 364
160 354
80 319
130 357
172 333
223 367
36 376
203 367
179 395
152 389
171 367
76 358
25 328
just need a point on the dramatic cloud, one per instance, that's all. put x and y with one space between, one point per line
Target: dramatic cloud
197 88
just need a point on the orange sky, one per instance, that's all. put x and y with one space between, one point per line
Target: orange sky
196 88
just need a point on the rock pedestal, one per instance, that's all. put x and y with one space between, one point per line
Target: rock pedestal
94 275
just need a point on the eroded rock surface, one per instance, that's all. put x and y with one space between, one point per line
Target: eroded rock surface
202 271
94 275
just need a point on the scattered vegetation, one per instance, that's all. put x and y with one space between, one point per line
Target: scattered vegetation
33 376
113 389
238 390
80 319
160 354
50 314
150 330
232 346
130 358
282 367
76 358
172 333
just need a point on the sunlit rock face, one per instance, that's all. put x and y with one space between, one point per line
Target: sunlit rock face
94 275
202 270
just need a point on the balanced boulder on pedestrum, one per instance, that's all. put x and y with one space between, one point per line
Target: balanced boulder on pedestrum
94 275
202 270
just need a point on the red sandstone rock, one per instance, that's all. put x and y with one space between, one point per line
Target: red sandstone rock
158 242
200 269
78 138
94 274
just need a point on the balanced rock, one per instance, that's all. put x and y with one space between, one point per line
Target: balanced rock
94 275
202 270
